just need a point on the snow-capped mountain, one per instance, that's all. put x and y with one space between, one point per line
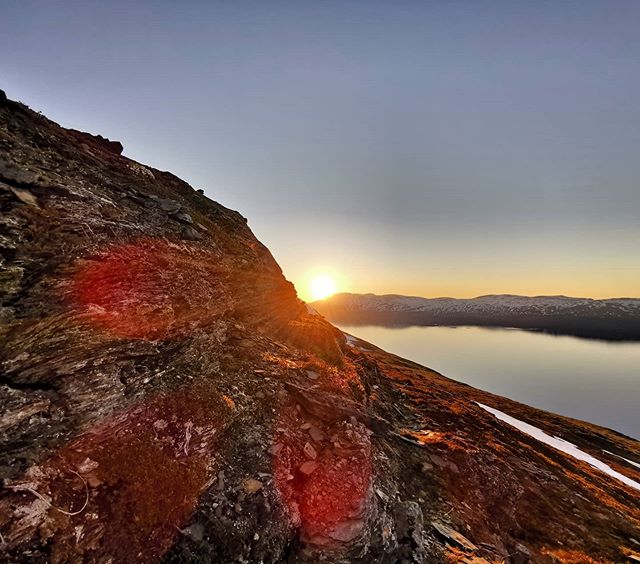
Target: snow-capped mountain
616 318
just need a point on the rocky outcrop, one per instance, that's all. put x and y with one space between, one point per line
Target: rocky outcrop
97 141
165 395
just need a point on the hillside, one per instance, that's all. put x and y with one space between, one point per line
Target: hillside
614 319
165 396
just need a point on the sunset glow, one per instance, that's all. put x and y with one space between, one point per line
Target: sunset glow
322 287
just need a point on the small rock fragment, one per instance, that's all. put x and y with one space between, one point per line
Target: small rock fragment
275 449
25 196
383 496
183 216
308 467
453 537
309 451
170 206
251 486
194 532
316 434
312 375
191 234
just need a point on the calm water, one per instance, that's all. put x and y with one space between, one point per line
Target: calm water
586 379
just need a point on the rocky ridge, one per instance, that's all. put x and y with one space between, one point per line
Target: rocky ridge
164 395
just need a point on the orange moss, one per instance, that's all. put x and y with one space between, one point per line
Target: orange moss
634 514
572 557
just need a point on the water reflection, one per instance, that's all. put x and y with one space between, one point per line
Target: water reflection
596 381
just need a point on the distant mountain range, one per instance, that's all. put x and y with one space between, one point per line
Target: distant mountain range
612 319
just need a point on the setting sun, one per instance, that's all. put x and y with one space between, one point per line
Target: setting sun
322 287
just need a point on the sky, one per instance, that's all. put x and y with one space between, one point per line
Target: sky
435 148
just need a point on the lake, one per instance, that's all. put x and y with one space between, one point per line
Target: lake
596 381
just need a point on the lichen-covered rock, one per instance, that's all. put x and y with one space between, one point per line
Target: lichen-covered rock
164 395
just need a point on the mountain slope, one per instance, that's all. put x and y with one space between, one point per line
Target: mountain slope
164 395
617 318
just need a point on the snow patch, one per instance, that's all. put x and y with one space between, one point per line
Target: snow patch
623 458
561 445
351 340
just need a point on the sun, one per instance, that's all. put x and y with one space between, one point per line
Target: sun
322 287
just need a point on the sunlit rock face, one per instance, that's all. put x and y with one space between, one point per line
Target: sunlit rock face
165 396
139 321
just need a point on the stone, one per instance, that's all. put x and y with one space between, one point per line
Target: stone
13 174
442 463
25 196
347 531
520 554
309 451
194 532
410 527
170 206
183 216
453 537
191 234
316 434
383 496
308 467
312 375
252 486
99 141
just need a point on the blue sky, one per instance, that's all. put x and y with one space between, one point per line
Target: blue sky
433 148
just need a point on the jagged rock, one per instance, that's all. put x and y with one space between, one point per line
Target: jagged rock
520 554
16 176
191 234
25 197
183 216
453 537
170 206
103 143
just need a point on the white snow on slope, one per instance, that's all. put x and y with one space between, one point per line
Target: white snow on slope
351 340
623 458
561 445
